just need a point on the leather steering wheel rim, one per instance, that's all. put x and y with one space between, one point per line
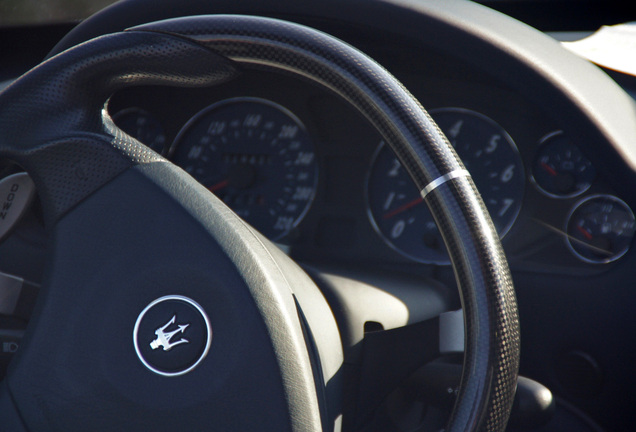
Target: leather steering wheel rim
73 139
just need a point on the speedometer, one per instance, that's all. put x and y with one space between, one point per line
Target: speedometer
399 214
256 156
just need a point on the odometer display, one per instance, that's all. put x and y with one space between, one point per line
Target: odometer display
254 155
398 212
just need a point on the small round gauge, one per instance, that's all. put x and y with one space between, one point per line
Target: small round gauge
560 169
600 229
254 155
398 212
140 124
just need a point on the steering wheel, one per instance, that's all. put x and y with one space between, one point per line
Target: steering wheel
162 310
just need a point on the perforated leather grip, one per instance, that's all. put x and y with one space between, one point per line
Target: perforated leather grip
53 120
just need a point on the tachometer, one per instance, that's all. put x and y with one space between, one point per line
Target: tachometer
256 156
398 212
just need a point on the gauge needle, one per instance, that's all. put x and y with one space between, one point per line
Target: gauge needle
573 239
583 231
402 208
218 186
548 169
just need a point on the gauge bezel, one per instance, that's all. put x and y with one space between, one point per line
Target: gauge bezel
544 141
251 99
507 228
575 207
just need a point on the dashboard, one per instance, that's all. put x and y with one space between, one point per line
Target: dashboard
313 175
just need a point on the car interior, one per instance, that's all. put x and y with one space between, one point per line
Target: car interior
263 215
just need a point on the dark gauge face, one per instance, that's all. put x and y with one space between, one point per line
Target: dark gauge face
398 212
143 126
560 169
600 229
254 155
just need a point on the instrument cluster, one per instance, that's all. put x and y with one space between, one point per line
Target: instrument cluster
275 167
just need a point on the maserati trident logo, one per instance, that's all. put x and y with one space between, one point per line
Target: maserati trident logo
165 339
154 338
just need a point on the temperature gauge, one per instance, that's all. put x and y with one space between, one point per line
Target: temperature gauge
560 169
600 229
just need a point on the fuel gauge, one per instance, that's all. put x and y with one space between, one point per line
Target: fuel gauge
560 169
600 229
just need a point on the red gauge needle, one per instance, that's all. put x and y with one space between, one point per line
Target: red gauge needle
218 186
574 239
402 208
583 231
548 169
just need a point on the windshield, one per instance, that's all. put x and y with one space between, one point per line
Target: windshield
20 12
